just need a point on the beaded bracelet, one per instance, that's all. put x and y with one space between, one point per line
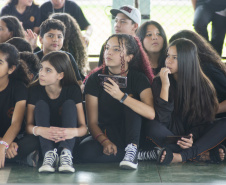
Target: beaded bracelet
104 141
98 135
4 143
33 130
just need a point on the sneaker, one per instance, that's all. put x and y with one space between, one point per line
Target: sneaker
130 159
32 158
66 164
50 161
144 155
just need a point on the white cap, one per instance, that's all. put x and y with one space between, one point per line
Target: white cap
130 11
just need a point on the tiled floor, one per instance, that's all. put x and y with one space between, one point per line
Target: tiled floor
147 172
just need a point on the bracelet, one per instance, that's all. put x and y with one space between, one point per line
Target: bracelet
33 130
98 135
104 141
4 143
123 98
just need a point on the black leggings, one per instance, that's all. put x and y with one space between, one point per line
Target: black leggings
212 137
68 118
121 135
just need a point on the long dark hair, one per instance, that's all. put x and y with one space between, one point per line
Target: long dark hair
206 52
73 41
13 25
196 97
61 62
141 34
13 59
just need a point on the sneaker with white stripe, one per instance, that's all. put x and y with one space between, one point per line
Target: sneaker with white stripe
148 155
130 158
50 161
66 164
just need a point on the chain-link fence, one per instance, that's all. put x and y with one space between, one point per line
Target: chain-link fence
173 15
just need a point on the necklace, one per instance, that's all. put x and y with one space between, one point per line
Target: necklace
53 10
119 73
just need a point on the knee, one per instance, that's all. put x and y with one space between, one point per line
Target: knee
41 104
69 105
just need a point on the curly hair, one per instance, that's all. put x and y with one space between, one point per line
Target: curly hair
13 59
139 61
73 42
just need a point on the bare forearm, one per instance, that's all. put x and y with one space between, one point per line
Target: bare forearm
79 132
222 107
11 133
193 3
140 108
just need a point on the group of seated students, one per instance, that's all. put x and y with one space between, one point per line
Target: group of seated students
168 90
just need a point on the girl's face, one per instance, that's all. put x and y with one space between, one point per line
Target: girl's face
5 34
25 2
171 60
4 68
113 53
153 41
48 75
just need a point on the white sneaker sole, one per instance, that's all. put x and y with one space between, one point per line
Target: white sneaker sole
128 165
47 169
66 169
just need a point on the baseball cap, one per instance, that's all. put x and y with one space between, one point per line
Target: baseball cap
130 11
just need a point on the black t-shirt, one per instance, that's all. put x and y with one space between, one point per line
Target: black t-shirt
218 79
110 110
74 64
15 91
30 18
38 92
70 7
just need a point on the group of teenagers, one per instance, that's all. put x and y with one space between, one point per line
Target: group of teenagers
175 89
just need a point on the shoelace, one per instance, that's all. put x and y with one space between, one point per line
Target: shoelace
50 157
149 154
66 159
130 152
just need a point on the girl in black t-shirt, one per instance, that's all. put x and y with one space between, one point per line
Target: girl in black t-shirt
10 27
114 114
26 11
55 113
154 41
211 64
186 103
13 97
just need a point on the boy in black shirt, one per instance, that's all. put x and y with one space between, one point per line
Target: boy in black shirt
52 33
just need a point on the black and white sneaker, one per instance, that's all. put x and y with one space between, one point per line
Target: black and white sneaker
50 161
130 159
66 164
148 155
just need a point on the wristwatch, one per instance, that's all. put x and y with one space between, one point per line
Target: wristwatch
123 98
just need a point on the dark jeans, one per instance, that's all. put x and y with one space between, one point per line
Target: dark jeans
121 135
213 136
68 118
203 16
